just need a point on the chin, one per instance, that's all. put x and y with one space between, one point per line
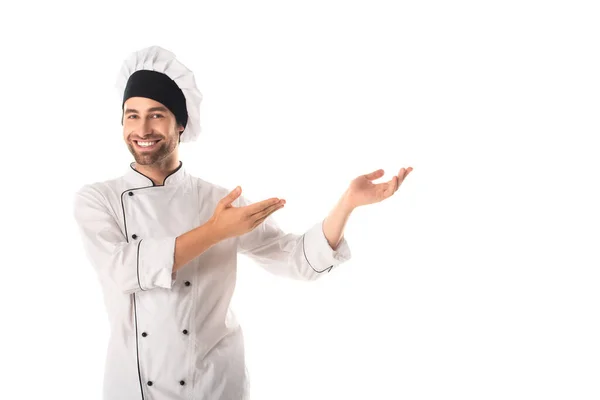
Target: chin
145 159
149 158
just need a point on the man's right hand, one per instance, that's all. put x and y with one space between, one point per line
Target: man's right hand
229 221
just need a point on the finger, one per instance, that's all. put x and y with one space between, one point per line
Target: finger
234 194
390 187
266 215
374 175
403 174
261 205
269 210
258 222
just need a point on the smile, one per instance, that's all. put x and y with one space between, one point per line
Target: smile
146 145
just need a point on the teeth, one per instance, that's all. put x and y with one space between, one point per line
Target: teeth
145 144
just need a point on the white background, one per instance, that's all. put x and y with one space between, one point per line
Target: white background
478 279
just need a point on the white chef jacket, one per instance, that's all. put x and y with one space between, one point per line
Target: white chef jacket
173 335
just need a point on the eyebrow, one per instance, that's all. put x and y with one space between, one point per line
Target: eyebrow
153 109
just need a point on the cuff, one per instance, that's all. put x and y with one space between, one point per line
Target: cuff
155 260
319 253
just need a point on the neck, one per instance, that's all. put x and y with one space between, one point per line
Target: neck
159 170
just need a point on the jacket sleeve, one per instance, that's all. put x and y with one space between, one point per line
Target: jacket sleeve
131 267
302 257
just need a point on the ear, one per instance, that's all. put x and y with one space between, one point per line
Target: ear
181 129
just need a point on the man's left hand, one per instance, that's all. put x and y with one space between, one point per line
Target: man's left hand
363 191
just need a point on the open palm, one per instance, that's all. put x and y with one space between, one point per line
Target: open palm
363 191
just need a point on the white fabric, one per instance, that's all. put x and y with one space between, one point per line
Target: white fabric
157 59
143 296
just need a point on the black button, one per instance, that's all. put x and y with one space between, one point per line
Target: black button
131 193
185 332
149 383
182 383
134 236
144 334
187 283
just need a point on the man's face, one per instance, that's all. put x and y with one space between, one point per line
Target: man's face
150 130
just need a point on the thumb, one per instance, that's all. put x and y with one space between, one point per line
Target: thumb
227 200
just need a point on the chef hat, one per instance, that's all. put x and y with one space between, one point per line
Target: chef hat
154 73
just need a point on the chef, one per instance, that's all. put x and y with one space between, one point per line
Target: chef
164 245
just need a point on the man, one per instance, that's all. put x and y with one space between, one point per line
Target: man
164 245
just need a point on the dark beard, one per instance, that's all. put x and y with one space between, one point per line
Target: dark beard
157 155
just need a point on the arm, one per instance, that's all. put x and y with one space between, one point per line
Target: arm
303 257
323 246
360 192
137 266
193 243
334 224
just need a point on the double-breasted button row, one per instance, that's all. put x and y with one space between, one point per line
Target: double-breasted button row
134 236
145 334
185 332
150 383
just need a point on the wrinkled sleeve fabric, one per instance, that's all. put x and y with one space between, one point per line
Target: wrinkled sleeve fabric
137 266
302 257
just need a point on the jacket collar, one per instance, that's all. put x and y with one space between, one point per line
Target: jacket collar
137 179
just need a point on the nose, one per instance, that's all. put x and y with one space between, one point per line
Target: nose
144 128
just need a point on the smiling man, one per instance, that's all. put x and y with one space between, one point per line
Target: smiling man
164 245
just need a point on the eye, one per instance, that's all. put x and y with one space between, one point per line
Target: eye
131 116
157 116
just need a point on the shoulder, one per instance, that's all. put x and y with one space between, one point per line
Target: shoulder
102 192
208 188
214 192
